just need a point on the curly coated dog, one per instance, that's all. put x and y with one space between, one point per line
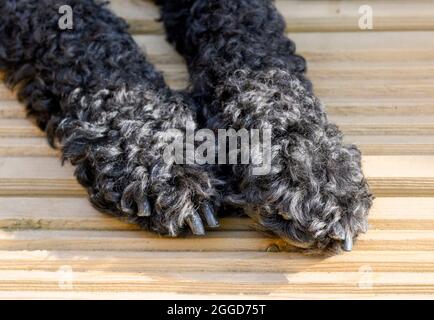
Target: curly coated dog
93 92
245 74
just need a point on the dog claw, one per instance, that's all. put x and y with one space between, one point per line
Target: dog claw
210 217
195 224
144 209
348 243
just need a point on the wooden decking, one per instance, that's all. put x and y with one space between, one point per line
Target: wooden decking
378 85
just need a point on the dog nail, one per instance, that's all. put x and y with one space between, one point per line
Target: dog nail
348 243
195 224
210 217
144 209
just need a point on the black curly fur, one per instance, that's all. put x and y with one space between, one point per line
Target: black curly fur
245 73
92 91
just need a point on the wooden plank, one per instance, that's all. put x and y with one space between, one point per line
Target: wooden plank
308 16
386 125
27 147
78 214
130 261
393 144
400 175
364 42
133 241
368 70
45 176
11 109
92 240
326 16
364 88
225 283
387 176
353 106
57 294
74 214
19 128
398 166
141 15
6 94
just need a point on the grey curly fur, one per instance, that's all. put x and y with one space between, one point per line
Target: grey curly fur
92 91
245 73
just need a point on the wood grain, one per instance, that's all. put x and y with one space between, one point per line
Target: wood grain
387 176
49 213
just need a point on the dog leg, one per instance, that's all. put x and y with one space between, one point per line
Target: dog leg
246 74
93 92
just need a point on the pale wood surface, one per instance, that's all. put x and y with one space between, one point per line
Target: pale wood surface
377 85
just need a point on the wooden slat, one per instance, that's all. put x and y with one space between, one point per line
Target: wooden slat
393 144
337 15
73 214
57 294
78 214
19 128
45 176
353 106
225 283
6 94
11 109
394 240
38 147
130 261
133 241
386 125
141 15
305 16
387 175
400 175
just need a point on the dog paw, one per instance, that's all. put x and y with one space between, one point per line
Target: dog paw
172 203
316 204
120 157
